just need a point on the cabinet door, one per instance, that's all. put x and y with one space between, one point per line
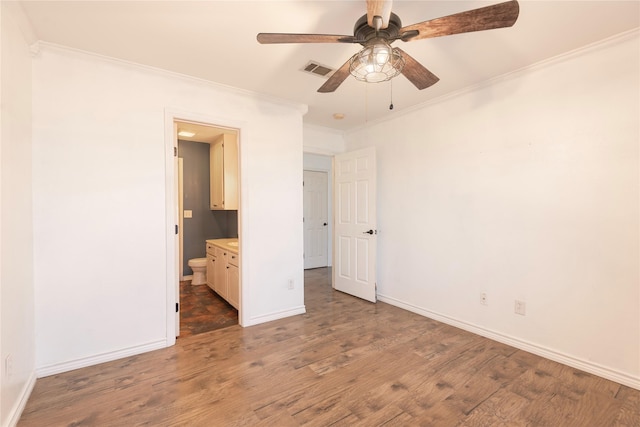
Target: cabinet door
216 172
220 274
211 268
233 281
230 180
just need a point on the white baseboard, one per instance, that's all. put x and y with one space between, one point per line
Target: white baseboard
189 277
57 368
16 410
275 316
584 365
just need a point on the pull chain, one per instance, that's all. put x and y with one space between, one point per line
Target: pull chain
391 86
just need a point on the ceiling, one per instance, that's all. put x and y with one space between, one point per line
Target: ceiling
216 41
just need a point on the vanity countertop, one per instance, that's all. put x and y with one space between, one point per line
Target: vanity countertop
230 245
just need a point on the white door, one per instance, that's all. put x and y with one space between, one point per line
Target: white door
315 219
354 270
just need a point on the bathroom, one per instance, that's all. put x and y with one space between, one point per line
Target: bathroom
205 223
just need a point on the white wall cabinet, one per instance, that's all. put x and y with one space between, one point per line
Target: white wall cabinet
223 163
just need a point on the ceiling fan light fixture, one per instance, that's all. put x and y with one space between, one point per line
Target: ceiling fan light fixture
376 62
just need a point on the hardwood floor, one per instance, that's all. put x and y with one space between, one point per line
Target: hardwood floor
201 310
346 362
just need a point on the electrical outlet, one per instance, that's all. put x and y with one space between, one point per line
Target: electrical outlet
8 366
483 299
520 308
290 285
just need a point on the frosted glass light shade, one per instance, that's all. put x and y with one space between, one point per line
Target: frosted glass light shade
376 62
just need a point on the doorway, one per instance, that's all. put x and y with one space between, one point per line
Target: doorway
353 174
318 206
316 219
200 308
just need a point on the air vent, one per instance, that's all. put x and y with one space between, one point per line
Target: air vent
313 67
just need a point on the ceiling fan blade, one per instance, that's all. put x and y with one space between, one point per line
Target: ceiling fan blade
381 8
273 38
416 73
485 18
336 79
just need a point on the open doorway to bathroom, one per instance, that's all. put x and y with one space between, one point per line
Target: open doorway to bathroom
208 219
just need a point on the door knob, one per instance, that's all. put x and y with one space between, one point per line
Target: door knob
368 232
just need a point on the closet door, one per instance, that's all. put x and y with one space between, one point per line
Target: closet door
355 231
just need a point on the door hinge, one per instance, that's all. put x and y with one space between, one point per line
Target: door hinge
176 228
177 307
175 151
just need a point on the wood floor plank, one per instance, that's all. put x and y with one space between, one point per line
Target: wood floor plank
502 408
629 413
346 362
403 419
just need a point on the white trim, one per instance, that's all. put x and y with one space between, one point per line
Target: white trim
57 368
320 151
189 277
172 115
276 315
16 411
324 129
181 218
303 108
172 284
324 150
29 34
503 77
584 365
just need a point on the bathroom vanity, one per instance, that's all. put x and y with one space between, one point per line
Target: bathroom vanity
223 275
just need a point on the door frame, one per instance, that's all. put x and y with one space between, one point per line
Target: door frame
172 215
181 276
327 215
329 170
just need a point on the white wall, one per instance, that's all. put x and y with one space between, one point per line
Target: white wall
100 204
525 189
322 140
17 328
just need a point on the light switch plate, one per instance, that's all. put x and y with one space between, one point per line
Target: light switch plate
188 214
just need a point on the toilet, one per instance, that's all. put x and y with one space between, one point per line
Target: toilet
199 267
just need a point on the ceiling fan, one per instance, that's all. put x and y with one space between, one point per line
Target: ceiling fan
380 27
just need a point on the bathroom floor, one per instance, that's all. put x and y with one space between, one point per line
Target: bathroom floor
201 310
